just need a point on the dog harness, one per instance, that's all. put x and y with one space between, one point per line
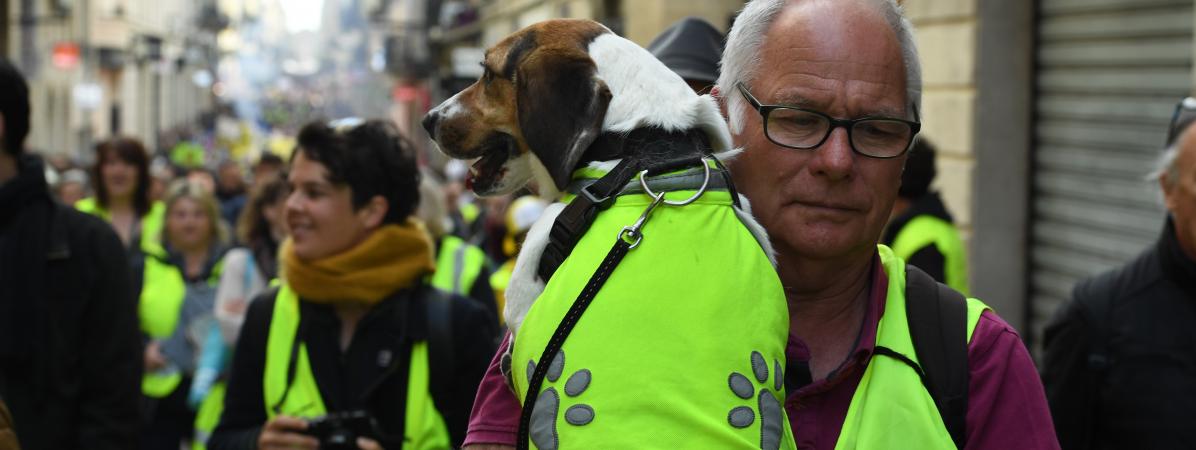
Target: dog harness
604 357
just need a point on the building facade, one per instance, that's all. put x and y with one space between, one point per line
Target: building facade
103 67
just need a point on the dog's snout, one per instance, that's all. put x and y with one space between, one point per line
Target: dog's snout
429 122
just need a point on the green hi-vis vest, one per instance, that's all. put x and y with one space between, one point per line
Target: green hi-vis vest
926 230
163 289
683 347
499 280
424 426
151 223
457 266
208 416
891 407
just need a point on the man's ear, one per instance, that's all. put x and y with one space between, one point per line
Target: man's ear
373 212
561 106
718 99
1166 188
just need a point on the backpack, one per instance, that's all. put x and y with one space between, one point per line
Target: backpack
938 325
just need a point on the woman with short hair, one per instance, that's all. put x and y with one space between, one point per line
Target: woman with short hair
355 329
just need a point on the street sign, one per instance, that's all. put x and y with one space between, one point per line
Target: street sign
65 55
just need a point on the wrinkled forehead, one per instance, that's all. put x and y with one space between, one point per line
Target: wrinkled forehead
563 34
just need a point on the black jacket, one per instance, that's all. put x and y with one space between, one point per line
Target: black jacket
70 355
358 379
1120 361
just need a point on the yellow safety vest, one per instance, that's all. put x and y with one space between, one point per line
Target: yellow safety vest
163 289
925 230
891 407
151 223
499 280
424 427
208 416
457 266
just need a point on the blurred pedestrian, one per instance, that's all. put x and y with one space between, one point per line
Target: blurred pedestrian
269 166
121 182
247 271
69 350
177 304
230 190
921 230
354 328
71 187
1118 362
521 214
461 267
691 48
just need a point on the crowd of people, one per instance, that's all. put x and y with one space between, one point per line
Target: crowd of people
277 305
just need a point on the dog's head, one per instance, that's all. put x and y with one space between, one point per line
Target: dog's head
538 107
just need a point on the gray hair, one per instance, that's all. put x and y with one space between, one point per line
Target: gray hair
742 55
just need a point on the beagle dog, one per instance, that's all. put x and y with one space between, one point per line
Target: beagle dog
550 102
547 93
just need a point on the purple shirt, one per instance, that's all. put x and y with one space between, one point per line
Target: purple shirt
1006 405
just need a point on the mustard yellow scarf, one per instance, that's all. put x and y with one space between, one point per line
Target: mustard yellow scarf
392 258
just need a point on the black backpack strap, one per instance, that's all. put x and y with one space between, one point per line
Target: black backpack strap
938 326
439 308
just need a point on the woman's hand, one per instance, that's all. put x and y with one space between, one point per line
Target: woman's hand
283 432
153 357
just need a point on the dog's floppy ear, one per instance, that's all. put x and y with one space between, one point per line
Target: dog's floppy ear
561 106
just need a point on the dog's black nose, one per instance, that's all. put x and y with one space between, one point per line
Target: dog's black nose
430 123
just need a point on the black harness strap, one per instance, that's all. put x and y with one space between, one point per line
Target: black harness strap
557 340
656 149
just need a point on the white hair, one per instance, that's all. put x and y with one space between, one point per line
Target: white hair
742 55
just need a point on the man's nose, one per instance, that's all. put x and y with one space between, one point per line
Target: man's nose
429 122
834 158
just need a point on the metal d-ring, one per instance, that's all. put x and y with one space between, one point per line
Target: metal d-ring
695 197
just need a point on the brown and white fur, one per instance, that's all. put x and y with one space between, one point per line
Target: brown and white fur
548 91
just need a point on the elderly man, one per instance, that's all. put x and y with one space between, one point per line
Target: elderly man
838 83
1118 364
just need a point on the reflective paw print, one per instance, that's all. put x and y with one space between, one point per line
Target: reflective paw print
771 415
543 429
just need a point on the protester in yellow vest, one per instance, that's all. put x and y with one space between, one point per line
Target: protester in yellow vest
121 181
461 267
176 308
920 229
521 214
352 328
247 271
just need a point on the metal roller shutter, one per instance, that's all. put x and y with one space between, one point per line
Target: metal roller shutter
1109 75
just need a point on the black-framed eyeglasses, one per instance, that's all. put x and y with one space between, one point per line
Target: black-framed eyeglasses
800 128
1184 115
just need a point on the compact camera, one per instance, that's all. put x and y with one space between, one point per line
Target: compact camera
340 430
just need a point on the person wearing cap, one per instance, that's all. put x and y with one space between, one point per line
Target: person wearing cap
521 214
920 229
1118 357
691 48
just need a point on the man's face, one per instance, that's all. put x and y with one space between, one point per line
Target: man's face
840 58
1180 196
